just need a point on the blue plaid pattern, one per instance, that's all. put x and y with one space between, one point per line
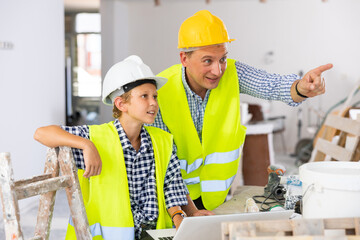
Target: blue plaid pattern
140 167
252 81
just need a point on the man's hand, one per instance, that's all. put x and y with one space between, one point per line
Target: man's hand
191 210
311 85
92 160
202 213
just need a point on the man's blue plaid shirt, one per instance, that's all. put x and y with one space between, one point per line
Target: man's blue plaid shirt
252 81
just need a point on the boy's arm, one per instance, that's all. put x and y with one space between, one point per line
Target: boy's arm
176 190
177 219
54 136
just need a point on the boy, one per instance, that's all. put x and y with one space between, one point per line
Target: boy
140 174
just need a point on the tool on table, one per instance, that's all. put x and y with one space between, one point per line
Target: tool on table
273 186
273 192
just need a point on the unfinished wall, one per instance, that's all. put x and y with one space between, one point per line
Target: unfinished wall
302 34
32 85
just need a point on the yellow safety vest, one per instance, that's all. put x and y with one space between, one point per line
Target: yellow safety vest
208 168
106 196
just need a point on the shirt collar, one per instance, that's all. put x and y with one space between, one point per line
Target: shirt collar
187 87
125 142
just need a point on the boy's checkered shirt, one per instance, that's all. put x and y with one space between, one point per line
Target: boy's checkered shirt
140 167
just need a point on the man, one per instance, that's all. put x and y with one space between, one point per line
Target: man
200 105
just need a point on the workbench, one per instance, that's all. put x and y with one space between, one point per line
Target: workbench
237 203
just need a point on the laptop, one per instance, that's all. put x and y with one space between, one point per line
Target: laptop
209 227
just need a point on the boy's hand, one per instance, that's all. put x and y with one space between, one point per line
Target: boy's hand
92 160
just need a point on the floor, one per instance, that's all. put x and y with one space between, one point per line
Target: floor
61 209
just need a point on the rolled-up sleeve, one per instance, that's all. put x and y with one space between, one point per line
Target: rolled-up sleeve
269 86
81 131
174 187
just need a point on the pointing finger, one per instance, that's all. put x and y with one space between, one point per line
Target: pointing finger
322 68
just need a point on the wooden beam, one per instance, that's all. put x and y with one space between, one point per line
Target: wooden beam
74 196
11 212
343 124
47 200
33 179
37 188
332 150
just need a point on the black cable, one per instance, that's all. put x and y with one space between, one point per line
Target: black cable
271 196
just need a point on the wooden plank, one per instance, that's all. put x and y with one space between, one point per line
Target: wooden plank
36 238
274 226
32 179
224 231
307 227
319 156
357 226
47 200
238 230
332 150
8 198
247 229
37 188
342 139
297 227
356 151
339 223
343 124
74 195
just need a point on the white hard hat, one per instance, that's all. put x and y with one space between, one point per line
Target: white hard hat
127 71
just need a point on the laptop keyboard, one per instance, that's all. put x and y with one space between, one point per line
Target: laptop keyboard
166 238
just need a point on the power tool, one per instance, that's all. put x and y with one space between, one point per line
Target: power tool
273 186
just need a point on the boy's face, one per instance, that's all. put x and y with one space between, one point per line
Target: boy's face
143 105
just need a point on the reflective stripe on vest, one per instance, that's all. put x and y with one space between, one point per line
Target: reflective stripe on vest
110 233
221 158
216 185
107 202
217 157
190 181
192 167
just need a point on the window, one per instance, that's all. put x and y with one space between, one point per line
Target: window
83 60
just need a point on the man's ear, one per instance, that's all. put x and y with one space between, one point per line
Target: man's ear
184 59
120 104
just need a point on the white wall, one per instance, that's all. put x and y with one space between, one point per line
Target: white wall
32 85
302 34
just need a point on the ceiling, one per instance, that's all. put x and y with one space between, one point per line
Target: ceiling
82 5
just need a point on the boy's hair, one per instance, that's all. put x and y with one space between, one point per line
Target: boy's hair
126 97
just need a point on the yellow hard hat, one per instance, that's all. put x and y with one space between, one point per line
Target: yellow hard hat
202 29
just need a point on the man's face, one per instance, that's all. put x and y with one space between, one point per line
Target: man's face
205 67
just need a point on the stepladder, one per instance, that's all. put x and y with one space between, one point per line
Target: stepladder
60 173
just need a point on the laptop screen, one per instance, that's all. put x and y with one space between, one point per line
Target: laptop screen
209 227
